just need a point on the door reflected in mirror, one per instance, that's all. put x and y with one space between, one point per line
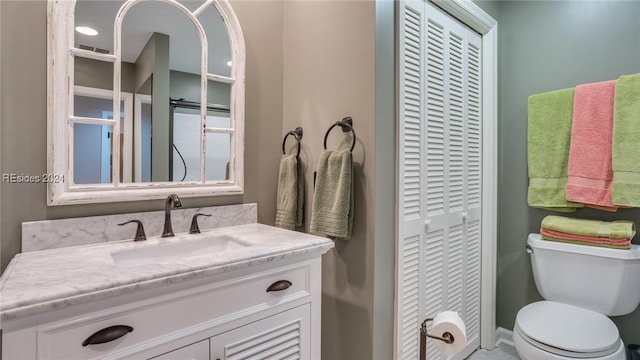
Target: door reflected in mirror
187 152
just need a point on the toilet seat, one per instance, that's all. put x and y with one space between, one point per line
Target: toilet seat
567 330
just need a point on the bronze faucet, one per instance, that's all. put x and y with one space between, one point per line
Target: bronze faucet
172 201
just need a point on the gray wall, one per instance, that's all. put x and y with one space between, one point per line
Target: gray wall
549 45
99 74
330 73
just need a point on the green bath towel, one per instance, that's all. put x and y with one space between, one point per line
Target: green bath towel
290 193
548 137
621 229
625 150
332 212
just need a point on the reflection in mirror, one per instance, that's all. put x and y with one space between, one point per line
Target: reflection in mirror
145 53
142 133
160 60
186 146
92 150
219 60
218 150
170 33
92 153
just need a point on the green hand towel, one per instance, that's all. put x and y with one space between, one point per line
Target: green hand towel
548 138
333 202
625 150
290 193
621 229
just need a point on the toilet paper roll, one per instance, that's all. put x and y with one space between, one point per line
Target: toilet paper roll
449 321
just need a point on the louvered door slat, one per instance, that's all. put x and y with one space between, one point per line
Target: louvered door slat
472 311
265 345
433 272
435 127
456 123
410 183
281 336
455 270
474 125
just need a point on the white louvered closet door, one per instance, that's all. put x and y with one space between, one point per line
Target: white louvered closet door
440 176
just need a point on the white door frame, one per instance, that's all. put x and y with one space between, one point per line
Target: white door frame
475 18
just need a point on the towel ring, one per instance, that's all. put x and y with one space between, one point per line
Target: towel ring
297 134
347 125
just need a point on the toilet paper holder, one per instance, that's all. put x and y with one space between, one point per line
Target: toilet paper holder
447 337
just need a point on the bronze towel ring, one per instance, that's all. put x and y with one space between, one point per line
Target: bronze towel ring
347 125
297 134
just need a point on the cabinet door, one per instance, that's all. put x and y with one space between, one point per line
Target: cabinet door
196 351
282 336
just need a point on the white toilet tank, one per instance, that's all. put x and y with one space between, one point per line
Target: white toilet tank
601 279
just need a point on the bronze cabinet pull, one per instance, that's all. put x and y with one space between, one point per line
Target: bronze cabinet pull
107 334
279 285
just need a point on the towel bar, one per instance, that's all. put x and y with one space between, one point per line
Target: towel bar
297 134
347 125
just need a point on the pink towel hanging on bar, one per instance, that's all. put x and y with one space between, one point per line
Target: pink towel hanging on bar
590 172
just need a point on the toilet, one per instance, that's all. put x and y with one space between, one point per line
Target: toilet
582 286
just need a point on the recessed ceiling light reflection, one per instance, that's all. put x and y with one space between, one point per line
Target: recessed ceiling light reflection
229 63
85 30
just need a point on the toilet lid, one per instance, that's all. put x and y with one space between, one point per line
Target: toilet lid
567 327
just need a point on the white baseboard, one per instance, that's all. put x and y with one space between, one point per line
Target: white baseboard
504 336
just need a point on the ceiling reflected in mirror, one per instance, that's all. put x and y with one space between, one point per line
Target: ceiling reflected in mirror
158 17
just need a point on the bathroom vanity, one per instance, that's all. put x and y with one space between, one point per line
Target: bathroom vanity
228 293
239 291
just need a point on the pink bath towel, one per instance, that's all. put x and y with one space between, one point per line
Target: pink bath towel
590 173
622 243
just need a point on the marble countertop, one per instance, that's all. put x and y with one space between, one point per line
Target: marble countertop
38 281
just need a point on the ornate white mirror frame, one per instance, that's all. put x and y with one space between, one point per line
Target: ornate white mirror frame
61 119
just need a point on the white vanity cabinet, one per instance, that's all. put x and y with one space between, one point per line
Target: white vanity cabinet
268 311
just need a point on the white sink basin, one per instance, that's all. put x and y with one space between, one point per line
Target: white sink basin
159 252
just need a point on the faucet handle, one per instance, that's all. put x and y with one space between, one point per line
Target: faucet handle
139 231
194 229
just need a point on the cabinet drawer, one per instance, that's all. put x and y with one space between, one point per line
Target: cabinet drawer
172 317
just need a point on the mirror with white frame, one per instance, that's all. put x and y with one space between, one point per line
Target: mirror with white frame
156 103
